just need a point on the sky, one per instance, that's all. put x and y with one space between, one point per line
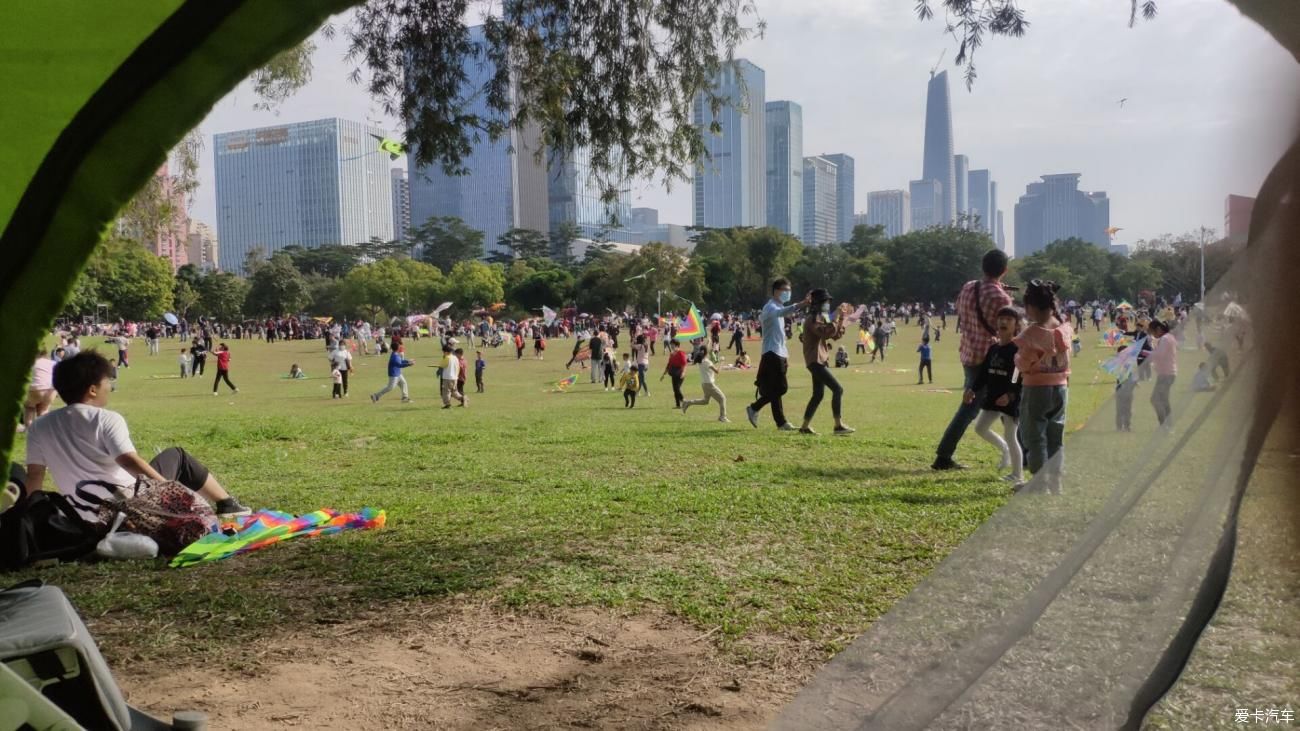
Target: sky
1206 113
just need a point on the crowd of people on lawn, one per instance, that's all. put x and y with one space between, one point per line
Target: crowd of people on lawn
1016 359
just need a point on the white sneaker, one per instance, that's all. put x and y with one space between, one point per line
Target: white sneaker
788 427
724 420
753 416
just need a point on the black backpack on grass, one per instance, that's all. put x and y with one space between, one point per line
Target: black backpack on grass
43 526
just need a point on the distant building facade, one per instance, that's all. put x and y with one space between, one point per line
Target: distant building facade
785 167
938 163
308 184
645 217
401 205
960 171
1237 210
821 216
927 204
1000 238
1054 209
844 192
201 247
978 184
507 184
731 181
891 209
576 195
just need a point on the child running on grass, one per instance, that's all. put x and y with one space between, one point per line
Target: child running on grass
708 371
629 382
1044 362
449 374
998 379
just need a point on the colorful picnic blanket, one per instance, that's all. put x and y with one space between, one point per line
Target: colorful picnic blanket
266 527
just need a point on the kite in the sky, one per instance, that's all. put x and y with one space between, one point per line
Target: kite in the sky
394 148
1121 101
549 315
1112 230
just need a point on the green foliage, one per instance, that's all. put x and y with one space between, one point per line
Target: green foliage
1087 272
737 265
930 265
333 260
473 284
134 283
222 295
562 238
552 287
1178 259
444 241
524 243
276 289
392 286
283 75
328 296
848 278
184 297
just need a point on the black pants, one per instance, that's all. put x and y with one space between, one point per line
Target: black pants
199 361
345 382
478 382
822 379
222 376
629 398
176 464
772 385
677 388
924 368
338 391
609 376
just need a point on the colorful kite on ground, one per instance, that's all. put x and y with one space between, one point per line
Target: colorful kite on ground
265 527
563 384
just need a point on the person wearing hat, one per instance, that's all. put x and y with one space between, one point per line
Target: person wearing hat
818 332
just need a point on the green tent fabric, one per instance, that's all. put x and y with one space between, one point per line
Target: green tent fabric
93 97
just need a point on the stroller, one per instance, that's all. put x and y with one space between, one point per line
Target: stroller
52 674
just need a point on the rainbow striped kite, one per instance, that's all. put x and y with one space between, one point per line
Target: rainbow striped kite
1115 337
689 327
564 383
1125 363
266 527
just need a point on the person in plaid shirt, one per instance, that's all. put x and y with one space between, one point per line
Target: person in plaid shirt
978 333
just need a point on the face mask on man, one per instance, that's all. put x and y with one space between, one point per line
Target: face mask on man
785 296
826 307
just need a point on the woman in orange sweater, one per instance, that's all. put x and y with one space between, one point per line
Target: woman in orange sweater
1043 359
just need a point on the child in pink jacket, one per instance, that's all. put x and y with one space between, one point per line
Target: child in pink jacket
1043 359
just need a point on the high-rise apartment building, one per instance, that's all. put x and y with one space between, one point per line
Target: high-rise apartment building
785 167
937 163
1237 210
994 210
645 216
201 247
821 218
731 181
506 186
401 205
977 191
1001 237
927 203
576 195
960 169
891 209
1055 209
844 174
307 184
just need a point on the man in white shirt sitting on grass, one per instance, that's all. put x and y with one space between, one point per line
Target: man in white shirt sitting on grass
85 441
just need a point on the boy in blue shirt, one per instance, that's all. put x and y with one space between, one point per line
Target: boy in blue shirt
924 368
396 362
479 365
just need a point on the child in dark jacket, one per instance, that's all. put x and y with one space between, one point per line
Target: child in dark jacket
1001 384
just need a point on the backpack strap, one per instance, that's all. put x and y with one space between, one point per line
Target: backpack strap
979 309
94 500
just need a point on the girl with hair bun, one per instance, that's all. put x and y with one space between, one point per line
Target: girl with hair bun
1043 359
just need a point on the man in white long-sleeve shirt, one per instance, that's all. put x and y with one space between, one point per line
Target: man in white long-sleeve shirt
771 380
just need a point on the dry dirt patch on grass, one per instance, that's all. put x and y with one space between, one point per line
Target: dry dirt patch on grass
478 667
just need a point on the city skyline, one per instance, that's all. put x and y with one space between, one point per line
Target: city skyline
730 185
1162 177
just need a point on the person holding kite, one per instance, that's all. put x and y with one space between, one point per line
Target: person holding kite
773 363
818 332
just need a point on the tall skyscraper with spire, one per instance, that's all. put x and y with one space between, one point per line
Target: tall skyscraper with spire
937 162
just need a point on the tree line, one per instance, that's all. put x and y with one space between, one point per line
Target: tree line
728 269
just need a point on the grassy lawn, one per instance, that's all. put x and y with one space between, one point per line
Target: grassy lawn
533 499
